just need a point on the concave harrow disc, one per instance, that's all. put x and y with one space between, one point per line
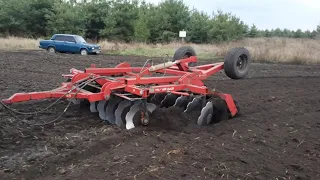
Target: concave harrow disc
121 112
157 98
111 108
195 104
182 101
102 105
205 117
169 100
93 106
128 114
133 117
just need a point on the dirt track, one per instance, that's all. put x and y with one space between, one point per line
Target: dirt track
277 136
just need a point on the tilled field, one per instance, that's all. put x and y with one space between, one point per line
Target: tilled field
276 137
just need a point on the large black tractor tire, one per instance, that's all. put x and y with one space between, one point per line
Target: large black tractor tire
237 62
183 53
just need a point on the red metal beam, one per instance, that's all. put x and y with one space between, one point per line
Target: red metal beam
20 97
208 66
229 101
114 71
179 87
172 72
180 93
143 92
152 80
108 71
207 71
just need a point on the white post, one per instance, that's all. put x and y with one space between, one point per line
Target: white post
182 34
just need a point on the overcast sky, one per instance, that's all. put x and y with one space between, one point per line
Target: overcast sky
265 14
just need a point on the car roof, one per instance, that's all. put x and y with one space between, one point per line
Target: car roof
65 35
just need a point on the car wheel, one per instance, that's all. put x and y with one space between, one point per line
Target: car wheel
84 52
51 50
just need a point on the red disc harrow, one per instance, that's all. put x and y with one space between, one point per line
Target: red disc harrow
126 96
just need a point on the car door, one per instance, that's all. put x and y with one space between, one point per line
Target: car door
70 44
59 43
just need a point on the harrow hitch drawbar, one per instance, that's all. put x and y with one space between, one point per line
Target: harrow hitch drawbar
126 96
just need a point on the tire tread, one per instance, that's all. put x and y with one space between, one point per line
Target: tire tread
229 60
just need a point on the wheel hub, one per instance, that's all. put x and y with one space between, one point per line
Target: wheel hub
83 52
242 62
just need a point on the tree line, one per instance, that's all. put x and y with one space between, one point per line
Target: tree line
127 21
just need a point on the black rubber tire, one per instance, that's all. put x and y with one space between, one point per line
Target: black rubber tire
231 60
53 49
183 53
85 50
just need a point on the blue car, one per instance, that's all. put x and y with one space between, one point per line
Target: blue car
69 43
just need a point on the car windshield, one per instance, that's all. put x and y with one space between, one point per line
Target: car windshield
80 39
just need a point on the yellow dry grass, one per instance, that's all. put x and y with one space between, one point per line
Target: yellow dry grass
302 51
262 49
18 43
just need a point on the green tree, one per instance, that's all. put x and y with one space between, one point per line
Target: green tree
298 34
253 32
318 29
278 32
314 33
128 20
267 33
98 20
13 17
141 29
226 27
198 27
123 14
167 19
307 34
36 21
287 33
66 18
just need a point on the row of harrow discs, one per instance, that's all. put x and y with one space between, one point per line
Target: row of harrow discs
126 96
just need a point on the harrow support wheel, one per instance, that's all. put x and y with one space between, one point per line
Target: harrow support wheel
237 62
183 53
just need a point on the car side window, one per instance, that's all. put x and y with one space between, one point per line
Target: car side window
69 39
59 38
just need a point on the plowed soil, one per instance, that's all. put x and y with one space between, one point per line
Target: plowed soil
276 137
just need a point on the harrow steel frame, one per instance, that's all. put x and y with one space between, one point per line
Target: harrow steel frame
184 80
135 83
